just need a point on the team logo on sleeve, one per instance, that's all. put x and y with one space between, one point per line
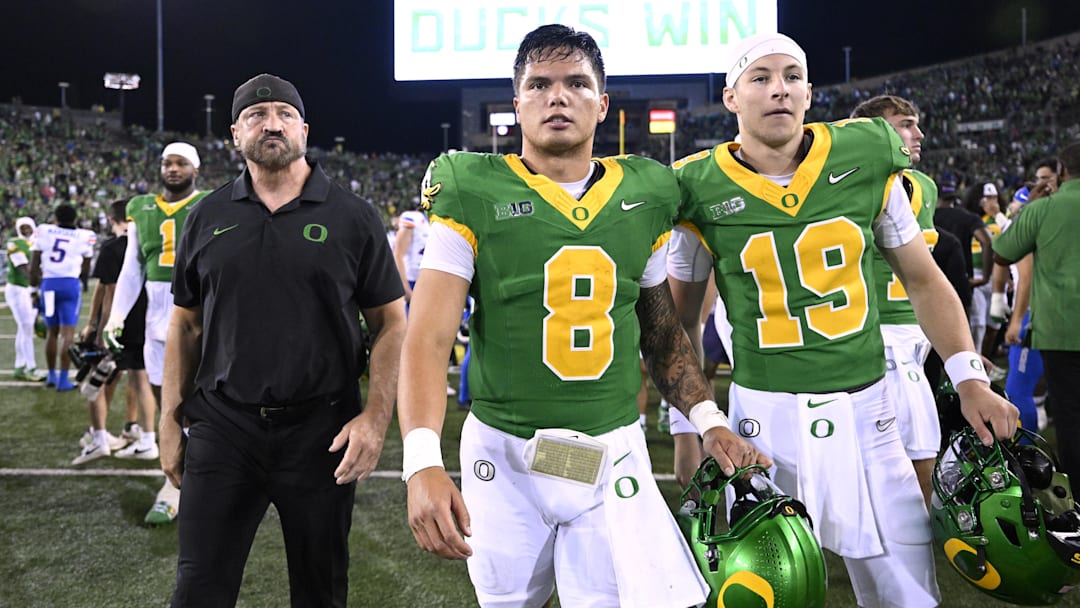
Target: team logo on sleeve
428 194
429 191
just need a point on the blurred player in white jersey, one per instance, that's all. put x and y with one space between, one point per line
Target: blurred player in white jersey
60 262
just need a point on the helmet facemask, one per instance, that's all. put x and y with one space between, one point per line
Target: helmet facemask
1005 517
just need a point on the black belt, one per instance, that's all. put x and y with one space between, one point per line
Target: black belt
282 411
861 387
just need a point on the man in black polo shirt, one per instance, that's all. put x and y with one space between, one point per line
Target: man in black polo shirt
263 359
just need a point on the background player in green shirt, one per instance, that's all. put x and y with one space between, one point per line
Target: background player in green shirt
155 223
564 257
1046 228
906 345
19 297
786 219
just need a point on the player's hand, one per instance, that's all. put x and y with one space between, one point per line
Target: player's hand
365 443
172 442
989 413
437 514
1012 332
112 332
999 307
731 451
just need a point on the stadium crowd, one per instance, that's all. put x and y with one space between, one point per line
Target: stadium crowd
988 118
48 160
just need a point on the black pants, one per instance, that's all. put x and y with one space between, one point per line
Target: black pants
1062 370
236 464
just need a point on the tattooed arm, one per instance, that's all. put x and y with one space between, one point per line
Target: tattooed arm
668 353
674 367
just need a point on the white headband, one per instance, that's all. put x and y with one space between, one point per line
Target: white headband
25 221
749 50
180 148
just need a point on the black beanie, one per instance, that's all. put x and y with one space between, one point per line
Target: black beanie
265 87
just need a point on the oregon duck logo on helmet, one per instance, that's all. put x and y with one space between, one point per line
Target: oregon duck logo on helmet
1005 517
753 544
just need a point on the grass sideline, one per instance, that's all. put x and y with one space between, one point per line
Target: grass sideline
76 539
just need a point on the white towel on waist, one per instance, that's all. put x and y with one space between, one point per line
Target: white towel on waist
653 564
831 476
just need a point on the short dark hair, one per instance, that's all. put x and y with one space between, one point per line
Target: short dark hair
65 215
1051 163
555 41
1070 158
883 105
118 210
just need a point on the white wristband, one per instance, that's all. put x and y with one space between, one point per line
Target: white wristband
420 450
707 415
965 365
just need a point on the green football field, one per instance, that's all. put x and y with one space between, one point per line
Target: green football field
73 537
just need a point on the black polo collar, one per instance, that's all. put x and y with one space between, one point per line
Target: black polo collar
316 188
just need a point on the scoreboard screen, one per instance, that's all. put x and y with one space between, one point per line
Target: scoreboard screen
478 39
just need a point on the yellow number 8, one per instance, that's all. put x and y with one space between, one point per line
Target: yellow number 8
579 293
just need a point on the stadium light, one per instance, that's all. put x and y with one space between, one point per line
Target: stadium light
122 82
445 136
63 94
209 111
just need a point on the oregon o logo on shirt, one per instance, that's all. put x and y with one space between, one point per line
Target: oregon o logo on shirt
316 233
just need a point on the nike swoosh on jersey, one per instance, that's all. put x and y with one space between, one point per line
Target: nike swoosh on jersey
883 425
811 404
835 179
628 206
218 231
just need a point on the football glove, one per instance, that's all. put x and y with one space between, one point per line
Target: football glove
112 332
999 307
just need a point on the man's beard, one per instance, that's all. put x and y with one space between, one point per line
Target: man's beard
180 187
273 159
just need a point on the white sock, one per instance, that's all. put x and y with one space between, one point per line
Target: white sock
148 438
101 437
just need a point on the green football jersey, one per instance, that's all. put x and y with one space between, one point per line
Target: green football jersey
554 333
158 226
894 306
18 249
793 263
976 247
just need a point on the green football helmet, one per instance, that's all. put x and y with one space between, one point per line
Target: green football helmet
1005 518
40 330
754 545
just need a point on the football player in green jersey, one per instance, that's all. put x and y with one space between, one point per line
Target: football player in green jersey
20 296
786 218
564 256
155 223
906 345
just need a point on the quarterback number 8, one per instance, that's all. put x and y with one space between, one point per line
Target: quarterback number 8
579 293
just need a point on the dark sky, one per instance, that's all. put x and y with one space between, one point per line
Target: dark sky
339 54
